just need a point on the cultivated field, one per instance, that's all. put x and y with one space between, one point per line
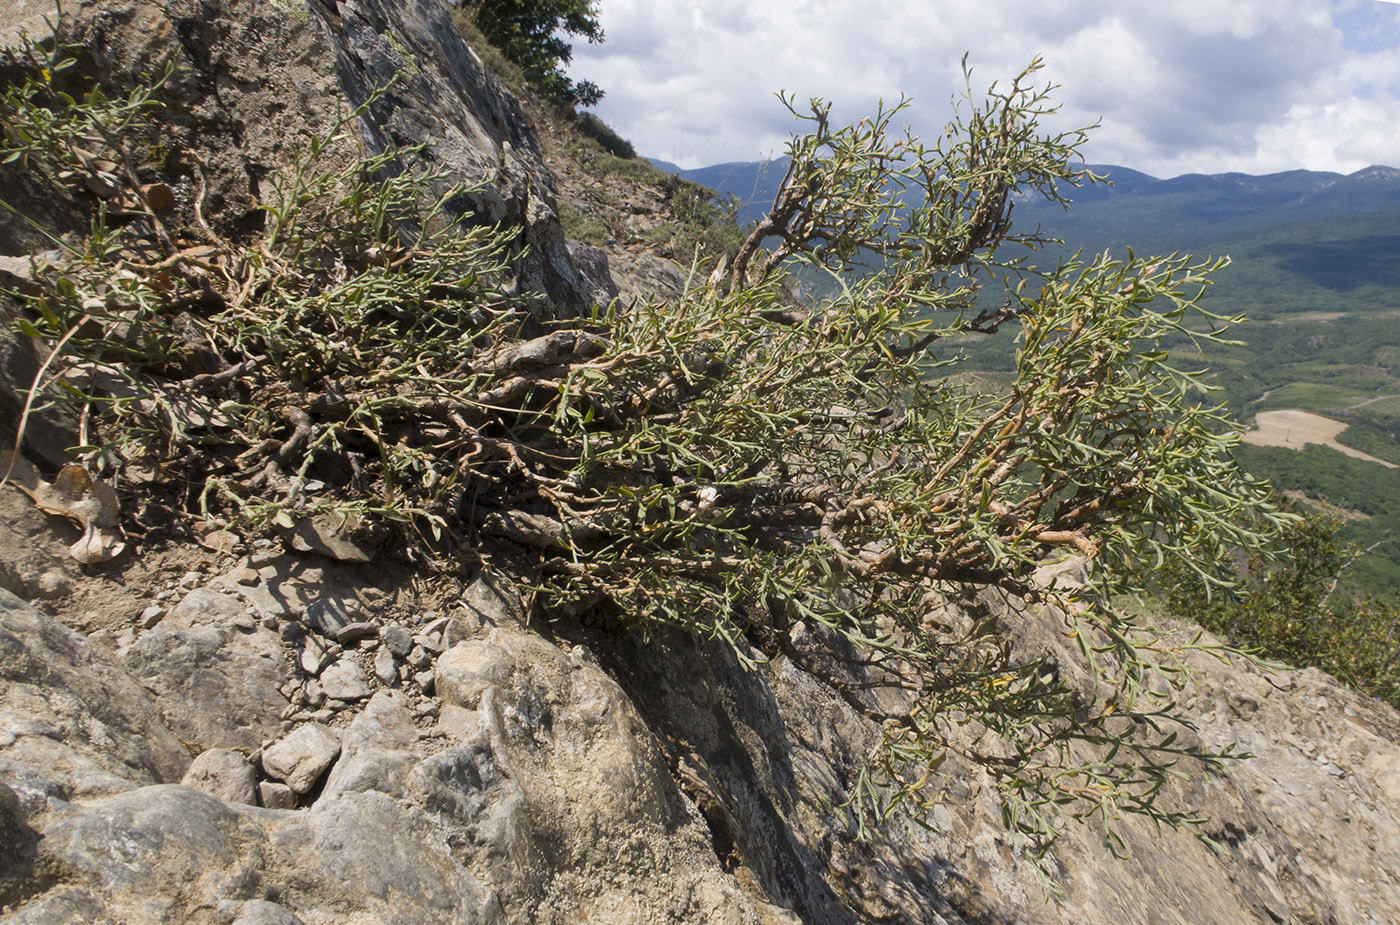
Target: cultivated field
1294 429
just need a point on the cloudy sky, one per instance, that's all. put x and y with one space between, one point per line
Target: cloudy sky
1180 86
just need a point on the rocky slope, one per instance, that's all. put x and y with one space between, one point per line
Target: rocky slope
247 731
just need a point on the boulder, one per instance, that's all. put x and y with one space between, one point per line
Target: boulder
73 723
217 685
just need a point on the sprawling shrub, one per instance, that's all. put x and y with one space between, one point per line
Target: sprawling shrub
736 465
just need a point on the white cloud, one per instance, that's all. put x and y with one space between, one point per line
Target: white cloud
1192 85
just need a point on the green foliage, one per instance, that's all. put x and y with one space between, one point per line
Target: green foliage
1374 438
244 378
54 122
744 469
593 127
1323 336
1291 610
582 227
728 466
1352 484
527 32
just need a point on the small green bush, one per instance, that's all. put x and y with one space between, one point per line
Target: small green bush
1295 610
593 127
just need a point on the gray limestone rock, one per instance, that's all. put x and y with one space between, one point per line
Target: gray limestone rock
345 680
377 749
275 795
385 667
18 846
489 603
592 263
262 912
398 639
217 686
75 724
223 774
359 858
466 670
202 605
301 757
312 655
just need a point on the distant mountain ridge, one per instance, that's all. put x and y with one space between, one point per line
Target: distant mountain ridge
1298 238
1194 207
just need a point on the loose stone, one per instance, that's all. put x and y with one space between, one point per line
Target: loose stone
314 655
223 774
384 667
299 759
345 680
357 630
398 639
276 795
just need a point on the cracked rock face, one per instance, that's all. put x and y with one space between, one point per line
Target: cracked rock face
542 784
546 802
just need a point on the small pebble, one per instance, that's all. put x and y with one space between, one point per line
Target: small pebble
151 616
357 630
52 583
244 576
384 667
398 639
